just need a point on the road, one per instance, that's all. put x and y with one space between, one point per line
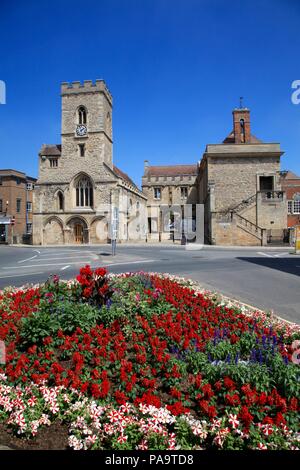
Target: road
267 279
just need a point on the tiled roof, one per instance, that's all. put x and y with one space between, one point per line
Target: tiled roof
50 150
230 139
291 176
174 170
124 176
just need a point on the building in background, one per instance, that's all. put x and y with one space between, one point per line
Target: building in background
172 195
16 204
291 185
240 187
79 191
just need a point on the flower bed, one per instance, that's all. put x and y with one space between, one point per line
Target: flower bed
145 361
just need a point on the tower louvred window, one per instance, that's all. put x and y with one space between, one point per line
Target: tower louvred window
81 115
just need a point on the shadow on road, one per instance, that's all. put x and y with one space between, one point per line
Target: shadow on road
288 265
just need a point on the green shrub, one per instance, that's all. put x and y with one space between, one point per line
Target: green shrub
65 316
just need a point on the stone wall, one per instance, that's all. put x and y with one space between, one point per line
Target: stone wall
235 178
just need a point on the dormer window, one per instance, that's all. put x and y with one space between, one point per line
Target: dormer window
81 115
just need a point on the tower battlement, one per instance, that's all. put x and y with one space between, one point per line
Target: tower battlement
87 86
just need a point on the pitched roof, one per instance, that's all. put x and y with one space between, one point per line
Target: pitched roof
230 139
291 176
124 176
172 170
50 150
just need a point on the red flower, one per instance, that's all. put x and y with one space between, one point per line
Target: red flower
229 384
120 397
87 292
279 419
245 416
177 408
95 390
101 272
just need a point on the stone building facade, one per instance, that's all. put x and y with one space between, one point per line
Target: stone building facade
172 195
79 189
16 198
240 187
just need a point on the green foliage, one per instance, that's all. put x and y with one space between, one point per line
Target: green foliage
65 316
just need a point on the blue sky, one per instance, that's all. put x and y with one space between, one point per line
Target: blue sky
176 70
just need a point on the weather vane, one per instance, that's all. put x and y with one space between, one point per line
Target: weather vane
241 101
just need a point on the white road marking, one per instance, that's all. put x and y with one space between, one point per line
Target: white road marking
20 275
264 254
48 264
65 267
131 262
63 257
27 259
58 252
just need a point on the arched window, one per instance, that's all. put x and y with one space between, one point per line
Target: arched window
81 115
84 192
242 123
60 201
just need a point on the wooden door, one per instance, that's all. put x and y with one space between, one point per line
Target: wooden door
78 233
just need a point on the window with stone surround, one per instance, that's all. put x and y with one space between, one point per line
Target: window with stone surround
29 206
82 115
183 192
157 193
60 201
81 148
84 192
53 162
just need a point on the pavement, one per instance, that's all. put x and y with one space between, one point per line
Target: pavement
267 278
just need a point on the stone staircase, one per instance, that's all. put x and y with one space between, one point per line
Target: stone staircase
244 223
250 227
245 204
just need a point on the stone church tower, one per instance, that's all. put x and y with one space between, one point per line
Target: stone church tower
78 183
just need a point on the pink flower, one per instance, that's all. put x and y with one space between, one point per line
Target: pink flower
233 421
122 438
261 446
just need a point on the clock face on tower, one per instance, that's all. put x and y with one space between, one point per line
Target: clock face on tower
81 130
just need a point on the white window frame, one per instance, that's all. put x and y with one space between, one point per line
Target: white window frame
296 206
29 206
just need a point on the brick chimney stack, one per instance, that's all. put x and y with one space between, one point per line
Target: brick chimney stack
241 125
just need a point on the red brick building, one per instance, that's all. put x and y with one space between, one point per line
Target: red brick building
16 190
291 185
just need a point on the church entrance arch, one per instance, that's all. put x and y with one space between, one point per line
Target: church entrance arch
79 232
